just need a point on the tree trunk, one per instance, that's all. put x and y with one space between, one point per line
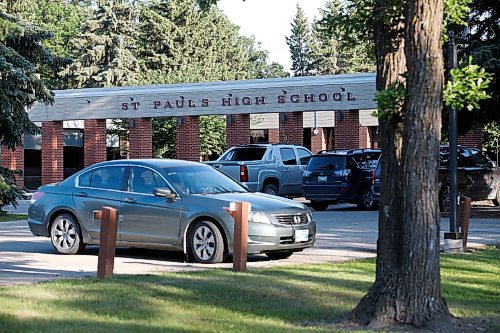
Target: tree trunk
407 289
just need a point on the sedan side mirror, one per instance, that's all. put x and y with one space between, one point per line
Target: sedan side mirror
164 192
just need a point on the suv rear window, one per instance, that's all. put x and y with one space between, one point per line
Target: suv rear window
366 161
244 154
326 163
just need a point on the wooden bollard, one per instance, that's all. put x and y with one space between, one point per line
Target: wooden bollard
464 218
240 236
107 247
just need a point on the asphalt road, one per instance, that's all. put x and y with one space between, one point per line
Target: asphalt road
343 233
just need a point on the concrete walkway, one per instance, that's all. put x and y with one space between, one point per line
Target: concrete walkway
343 234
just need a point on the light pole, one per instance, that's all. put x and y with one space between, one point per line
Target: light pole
452 123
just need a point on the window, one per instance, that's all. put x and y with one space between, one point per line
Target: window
479 159
144 180
84 179
109 178
245 154
304 156
288 156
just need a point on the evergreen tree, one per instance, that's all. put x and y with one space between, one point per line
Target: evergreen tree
107 48
300 45
338 50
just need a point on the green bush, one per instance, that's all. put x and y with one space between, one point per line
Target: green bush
10 191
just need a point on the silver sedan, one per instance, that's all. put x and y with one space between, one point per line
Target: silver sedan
167 204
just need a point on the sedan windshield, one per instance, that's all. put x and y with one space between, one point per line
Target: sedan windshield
201 180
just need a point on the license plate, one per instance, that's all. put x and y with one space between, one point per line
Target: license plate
322 178
301 236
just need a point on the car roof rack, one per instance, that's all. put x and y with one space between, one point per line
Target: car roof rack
348 151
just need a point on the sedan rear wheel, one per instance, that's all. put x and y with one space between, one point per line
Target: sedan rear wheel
65 235
206 243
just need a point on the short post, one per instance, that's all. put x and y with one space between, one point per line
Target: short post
464 218
241 212
107 247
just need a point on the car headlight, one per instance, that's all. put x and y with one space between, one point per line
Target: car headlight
258 217
309 216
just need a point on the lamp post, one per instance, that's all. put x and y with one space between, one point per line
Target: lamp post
452 123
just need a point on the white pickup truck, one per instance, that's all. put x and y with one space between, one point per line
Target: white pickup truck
272 168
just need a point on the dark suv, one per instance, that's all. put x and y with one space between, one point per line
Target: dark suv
477 177
340 176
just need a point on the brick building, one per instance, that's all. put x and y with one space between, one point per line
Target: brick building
322 112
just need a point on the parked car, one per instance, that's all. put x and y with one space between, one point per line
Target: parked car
340 176
167 204
270 168
477 177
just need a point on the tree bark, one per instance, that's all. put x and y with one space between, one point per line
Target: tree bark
407 287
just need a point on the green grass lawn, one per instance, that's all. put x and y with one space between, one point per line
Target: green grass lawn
12 217
281 299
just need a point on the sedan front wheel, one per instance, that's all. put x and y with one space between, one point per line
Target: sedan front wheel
206 243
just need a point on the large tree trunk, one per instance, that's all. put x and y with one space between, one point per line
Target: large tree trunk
407 288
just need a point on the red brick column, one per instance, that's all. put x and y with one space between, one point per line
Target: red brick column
52 152
14 160
140 138
188 138
318 140
94 141
364 137
473 138
274 135
347 129
237 130
292 128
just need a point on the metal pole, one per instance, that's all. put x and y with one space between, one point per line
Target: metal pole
452 62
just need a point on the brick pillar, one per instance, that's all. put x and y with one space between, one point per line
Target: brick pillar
52 152
94 141
292 128
364 137
473 138
318 141
274 135
347 129
188 138
14 160
238 129
140 138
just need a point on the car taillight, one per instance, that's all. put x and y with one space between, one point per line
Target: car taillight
243 173
373 176
36 196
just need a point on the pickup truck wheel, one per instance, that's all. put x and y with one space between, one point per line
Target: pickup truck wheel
270 189
496 201
444 198
319 205
277 255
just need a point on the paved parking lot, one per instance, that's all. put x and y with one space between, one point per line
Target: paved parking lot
343 233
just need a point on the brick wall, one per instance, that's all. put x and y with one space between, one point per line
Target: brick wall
473 138
347 129
364 137
52 152
318 141
188 138
94 141
14 160
291 128
274 135
238 129
141 138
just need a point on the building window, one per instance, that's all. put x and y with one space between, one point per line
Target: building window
257 136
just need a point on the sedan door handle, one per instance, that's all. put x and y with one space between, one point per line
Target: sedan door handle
82 194
130 200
